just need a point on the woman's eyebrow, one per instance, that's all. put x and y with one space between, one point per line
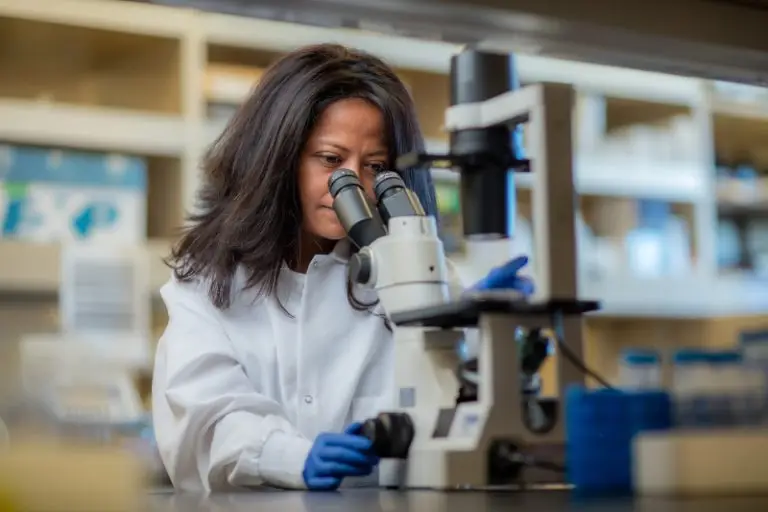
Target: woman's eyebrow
340 147
324 142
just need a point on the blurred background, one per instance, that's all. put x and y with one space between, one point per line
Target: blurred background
106 107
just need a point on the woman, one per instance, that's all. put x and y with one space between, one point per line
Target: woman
269 354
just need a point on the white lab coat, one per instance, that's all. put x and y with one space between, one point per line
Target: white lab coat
239 394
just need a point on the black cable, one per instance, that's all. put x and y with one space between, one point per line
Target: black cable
527 460
547 465
572 358
568 353
516 457
520 458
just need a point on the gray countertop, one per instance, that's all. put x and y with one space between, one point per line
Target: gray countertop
373 500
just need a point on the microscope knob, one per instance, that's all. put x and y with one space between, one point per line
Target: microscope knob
391 434
360 268
505 462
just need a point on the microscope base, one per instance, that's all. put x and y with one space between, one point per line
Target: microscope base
471 447
473 444
443 468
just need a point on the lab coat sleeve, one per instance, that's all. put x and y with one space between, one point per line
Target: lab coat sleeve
214 430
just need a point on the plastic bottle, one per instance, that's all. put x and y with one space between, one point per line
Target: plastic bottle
756 395
640 369
748 399
726 389
754 346
690 377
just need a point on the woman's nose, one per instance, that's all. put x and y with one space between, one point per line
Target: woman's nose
354 165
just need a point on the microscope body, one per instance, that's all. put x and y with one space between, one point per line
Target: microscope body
430 438
453 445
407 266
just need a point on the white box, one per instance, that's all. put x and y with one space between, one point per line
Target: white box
67 196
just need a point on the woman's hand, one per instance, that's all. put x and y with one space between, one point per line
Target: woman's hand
505 277
334 457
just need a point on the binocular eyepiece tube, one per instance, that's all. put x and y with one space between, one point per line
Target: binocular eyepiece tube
394 199
356 214
363 221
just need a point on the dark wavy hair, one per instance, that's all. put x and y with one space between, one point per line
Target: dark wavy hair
249 213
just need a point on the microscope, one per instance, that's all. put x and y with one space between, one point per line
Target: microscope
437 437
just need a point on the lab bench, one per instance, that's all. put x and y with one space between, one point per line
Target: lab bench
372 500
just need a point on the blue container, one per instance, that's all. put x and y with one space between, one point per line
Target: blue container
600 426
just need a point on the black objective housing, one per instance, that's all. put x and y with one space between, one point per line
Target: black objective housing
485 155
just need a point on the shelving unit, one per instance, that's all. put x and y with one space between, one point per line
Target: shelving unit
595 177
39 122
39 276
110 75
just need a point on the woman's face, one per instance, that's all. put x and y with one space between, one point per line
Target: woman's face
348 135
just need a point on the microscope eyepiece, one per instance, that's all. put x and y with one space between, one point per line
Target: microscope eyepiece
394 199
357 216
341 179
387 183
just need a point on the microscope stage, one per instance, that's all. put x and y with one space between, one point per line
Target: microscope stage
466 311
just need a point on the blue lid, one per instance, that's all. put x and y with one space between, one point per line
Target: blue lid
690 356
724 357
640 356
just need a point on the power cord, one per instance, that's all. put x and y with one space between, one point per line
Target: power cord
517 457
568 353
467 371
533 462
510 456
507 463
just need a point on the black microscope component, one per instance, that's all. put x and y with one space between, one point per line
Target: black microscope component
394 199
484 156
391 434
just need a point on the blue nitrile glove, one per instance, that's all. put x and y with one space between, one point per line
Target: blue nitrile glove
505 278
336 456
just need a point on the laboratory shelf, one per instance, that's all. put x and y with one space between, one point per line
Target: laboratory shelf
611 81
692 297
674 182
266 35
124 17
44 123
28 268
668 181
229 84
748 110
736 194
434 56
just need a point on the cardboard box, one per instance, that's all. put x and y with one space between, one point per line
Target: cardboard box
52 195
